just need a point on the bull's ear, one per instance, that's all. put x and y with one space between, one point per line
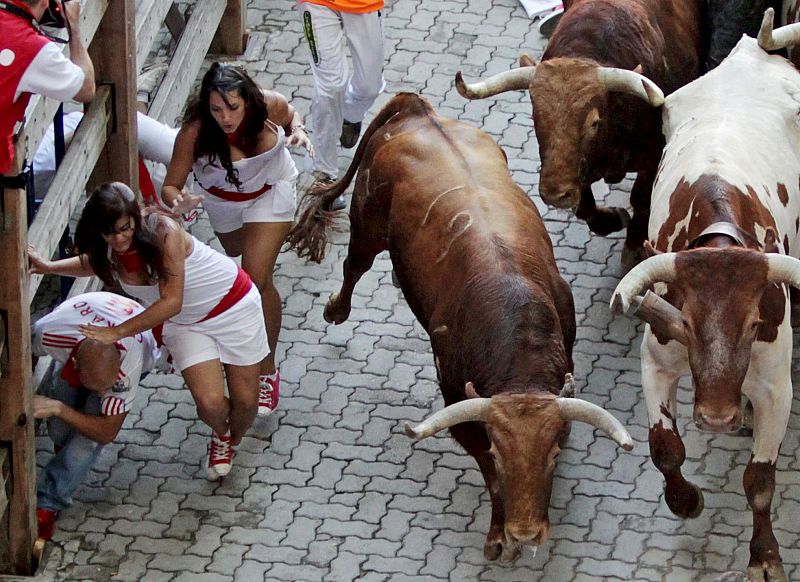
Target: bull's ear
469 389
638 69
650 250
526 60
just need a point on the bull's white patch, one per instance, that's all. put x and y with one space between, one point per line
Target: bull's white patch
7 57
737 122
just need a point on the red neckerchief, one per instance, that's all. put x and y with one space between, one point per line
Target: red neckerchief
131 260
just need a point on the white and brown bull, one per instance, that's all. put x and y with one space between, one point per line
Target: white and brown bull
593 113
725 217
476 265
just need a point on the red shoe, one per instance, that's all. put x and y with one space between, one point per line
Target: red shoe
220 457
268 393
47 522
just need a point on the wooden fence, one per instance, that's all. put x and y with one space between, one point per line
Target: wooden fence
119 34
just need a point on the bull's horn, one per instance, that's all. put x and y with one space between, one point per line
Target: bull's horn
658 268
513 80
581 410
632 83
772 40
783 269
663 317
464 411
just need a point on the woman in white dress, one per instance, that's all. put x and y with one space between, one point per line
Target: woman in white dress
234 139
205 307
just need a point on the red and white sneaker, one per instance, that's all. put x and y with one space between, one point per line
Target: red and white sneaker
47 522
220 457
268 393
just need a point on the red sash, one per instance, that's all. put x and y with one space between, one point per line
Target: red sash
146 186
241 287
237 196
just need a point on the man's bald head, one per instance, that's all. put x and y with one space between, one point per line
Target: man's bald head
98 365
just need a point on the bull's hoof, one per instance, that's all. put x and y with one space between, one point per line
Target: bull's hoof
631 257
492 549
511 552
686 505
608 220
767 572
334 311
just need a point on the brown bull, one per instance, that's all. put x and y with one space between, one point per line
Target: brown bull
593 112
476 266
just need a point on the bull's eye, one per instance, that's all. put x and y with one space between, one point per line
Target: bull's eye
596 123
755 325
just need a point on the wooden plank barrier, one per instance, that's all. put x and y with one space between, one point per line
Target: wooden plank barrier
102 149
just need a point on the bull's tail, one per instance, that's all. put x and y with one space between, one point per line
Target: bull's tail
309 236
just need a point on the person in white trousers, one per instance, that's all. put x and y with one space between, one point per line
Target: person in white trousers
341 98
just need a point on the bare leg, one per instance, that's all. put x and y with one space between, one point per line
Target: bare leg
262 243
259 244
207 385
243 390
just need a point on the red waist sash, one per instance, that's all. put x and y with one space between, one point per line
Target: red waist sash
237 196
241 287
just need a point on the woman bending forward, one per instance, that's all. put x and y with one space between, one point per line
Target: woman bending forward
234 139
209 307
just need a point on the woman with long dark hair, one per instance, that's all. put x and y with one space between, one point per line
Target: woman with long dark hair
234 138
209 307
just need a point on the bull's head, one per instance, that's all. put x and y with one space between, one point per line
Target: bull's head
719 319
524 432
570 114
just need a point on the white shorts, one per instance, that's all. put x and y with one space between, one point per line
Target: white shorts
276 205
237 336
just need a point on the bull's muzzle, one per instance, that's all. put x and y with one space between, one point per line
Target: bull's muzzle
721 420
532 535
560 197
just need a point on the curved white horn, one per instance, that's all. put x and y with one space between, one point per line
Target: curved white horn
658 268
464 411
783 269
771 40
632 83
577 409
513 80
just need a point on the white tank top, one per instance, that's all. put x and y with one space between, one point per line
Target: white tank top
270 167
209 276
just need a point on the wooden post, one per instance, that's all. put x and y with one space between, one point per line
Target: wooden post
16 416
231 38
114 56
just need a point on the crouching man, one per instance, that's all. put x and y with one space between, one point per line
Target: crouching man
92 391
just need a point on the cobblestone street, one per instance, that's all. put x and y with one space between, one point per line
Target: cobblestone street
329 488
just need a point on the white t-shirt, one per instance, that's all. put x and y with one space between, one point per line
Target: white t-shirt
52 74
57 335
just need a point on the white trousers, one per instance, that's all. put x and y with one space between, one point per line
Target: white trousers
338 94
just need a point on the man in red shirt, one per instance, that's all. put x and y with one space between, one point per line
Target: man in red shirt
31 63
